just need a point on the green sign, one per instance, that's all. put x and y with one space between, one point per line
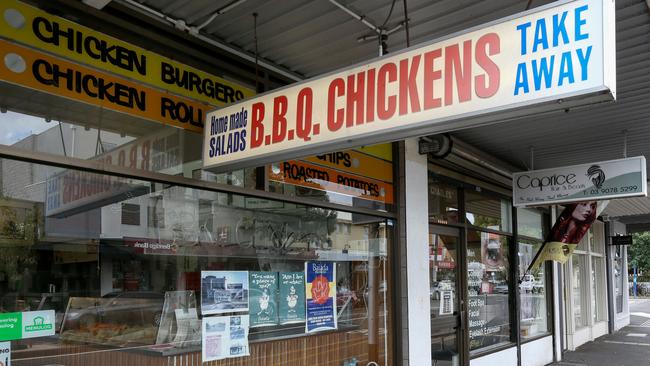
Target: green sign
10 326
263 287
292 297
29 324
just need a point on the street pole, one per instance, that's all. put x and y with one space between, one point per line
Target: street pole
634 281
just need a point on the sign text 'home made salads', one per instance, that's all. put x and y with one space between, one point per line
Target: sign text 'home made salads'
555 56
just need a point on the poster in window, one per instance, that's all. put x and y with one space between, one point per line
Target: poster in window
225 337
320 290
446 302
573 223
224 292
292 297
492 252
263 294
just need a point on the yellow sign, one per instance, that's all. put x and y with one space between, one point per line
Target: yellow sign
555 251
321 178
382 151
28 68
38 29
356 163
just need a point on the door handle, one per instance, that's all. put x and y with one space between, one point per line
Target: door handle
461 320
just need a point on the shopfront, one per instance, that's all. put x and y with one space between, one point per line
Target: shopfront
155 211
129 253
479 248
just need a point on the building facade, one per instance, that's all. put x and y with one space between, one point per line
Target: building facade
122 246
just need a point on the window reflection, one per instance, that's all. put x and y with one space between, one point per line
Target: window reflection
488 288
443 202
488 212
532 292
120 261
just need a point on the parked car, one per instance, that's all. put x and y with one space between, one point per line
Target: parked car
135 307
527 284
501 288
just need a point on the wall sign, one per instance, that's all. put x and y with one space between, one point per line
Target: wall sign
595 181
512 67
332 180
622 240
36 28
39 71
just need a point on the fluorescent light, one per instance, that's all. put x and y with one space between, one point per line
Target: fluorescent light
97 4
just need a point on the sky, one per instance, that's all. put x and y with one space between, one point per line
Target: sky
15 127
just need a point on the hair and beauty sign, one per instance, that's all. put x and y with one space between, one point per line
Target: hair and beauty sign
586 182
548 58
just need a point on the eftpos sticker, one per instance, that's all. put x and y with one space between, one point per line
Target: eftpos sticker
5 353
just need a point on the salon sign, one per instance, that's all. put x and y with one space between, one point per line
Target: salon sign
550 58
586 182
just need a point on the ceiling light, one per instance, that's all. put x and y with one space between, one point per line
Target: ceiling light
97 4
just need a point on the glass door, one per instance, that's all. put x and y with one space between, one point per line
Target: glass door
445 293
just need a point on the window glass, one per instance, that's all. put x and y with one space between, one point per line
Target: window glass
138 289
443 202
443 272
487 211
530 222
532 292
598 296
489 289
577 282
597 237
360 177
620 280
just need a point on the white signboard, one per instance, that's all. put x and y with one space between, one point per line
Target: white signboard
552 57
587 182
225 337
5 353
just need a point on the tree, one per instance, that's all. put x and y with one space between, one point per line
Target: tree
639 251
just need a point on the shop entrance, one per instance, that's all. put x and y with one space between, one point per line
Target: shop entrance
446 295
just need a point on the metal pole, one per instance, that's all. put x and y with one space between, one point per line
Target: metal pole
634 282
406 24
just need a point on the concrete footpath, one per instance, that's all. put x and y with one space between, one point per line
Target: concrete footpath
629 346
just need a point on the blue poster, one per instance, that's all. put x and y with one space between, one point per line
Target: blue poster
320 291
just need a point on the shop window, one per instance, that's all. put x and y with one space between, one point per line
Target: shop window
532 292
156 217
443 202
130 214
580 300
489 289
596 237
488 212
598 312
530 223
359 177
620 277
114 286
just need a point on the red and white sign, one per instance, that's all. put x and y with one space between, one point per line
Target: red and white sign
74 191
562 52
